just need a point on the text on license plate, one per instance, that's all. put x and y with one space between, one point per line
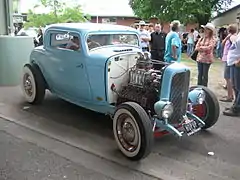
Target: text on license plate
191 127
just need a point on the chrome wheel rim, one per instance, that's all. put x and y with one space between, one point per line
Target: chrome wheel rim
127 133
27 84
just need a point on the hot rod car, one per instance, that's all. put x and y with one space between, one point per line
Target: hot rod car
102 68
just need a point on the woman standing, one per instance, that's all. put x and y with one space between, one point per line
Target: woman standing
190 43
226 43
205 48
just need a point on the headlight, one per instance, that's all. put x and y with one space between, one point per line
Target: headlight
201 98
163 109
167 111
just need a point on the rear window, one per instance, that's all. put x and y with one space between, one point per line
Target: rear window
65 40
59 39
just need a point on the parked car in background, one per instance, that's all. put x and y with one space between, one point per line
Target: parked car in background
28 32
101 67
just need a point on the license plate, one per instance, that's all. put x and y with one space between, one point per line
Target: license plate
191 127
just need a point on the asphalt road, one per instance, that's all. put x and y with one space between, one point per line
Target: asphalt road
91 133
21 160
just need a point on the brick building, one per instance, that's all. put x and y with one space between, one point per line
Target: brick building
130 20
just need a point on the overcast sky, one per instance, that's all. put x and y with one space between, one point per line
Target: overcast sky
96 7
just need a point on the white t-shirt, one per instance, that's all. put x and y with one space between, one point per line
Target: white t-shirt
144 34
234 52
195 35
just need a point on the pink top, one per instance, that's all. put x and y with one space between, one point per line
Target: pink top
225 50
207 46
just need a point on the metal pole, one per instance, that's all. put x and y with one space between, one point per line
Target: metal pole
6 5
8 16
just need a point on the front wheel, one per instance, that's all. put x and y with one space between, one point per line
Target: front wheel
133 131
209 111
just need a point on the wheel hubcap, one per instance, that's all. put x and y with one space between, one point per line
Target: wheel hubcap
28 85
127 133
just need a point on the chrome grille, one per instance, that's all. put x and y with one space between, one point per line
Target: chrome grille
179 95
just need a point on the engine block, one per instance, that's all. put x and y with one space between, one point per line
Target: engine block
143 88
138 77
145 97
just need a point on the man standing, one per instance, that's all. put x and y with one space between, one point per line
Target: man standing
157 44
233 60
173 44
144 36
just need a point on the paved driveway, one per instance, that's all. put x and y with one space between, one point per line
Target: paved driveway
171 158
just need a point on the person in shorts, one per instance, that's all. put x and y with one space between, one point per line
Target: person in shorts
233 60
226 43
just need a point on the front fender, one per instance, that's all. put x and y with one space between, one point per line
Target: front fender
194 95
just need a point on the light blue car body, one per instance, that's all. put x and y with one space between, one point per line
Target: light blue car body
80 77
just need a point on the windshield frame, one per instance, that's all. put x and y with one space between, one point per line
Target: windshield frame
112 33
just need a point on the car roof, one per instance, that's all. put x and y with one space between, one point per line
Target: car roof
91 27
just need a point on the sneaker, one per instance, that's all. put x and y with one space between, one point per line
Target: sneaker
231 112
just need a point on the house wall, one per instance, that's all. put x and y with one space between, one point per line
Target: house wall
226 18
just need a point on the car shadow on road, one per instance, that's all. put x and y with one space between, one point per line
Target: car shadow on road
68 114
65 113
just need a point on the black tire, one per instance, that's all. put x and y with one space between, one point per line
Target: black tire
143 128
38 84
213 107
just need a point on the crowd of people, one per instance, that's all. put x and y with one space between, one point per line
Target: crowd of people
225 44
230 55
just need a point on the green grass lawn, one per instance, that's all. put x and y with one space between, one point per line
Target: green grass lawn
215 73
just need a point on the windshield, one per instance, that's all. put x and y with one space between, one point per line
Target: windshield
98 40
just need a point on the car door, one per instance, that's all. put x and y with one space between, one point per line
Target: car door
67 67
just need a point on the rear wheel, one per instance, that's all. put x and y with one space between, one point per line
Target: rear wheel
133 131
32 84
209 111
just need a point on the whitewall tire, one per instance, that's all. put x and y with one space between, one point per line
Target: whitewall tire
132 130
32 84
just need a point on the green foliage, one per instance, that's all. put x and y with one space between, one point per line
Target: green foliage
183 10
59 12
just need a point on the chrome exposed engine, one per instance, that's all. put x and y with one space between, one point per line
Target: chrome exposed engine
144 84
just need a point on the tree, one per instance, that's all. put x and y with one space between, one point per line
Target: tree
59 12
184 10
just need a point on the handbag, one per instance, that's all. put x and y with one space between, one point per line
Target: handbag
194 55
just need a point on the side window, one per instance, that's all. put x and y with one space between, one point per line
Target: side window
65 40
